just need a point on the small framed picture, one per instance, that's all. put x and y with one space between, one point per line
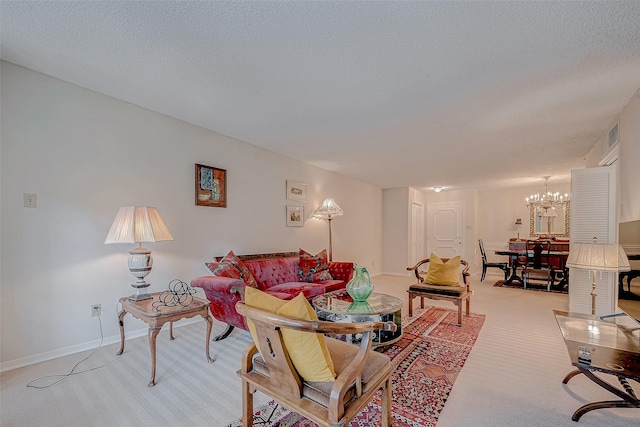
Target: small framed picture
296 191
295 216
211 186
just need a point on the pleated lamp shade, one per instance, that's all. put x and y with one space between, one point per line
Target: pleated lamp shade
135 224
598 257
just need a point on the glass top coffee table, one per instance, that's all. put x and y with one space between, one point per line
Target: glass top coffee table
610 345
338 306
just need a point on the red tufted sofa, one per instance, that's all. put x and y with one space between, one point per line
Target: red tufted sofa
275 274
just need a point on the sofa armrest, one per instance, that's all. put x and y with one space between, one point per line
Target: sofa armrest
223 285
341 270
223 293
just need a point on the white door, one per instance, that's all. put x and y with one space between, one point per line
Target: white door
444 229
417 234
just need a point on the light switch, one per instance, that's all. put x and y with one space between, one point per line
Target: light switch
30 200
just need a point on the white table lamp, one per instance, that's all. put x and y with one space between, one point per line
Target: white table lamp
137 225
597 257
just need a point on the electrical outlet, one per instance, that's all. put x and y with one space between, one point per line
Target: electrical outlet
96 310
30 200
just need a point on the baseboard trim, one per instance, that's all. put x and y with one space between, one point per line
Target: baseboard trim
90 345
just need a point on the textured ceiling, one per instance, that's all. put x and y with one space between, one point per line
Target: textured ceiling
457 94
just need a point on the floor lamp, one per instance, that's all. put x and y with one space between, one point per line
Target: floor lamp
597 257
328 211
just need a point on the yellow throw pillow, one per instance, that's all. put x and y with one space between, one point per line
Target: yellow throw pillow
443 273
256 298
307 350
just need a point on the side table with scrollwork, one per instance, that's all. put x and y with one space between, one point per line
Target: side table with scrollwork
157 315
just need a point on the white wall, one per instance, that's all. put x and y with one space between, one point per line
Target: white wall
498 210
85 155
396 223
629 159
396 217
628 172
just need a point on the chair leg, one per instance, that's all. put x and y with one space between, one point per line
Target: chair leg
459 312
386 403
247 405
484 272
468 305
410 305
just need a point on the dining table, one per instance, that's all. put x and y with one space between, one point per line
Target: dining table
556 258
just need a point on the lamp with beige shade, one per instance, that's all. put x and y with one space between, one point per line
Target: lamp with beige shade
135 224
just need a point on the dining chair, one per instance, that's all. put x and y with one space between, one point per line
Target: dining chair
537 264
504 266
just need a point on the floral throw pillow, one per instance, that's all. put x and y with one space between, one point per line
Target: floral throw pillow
232 266
313 268
212 265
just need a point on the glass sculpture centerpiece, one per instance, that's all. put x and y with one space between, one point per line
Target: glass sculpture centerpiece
360 287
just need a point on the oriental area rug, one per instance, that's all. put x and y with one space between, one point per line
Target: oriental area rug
427 361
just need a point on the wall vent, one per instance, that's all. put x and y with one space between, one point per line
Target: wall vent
613 135
610 147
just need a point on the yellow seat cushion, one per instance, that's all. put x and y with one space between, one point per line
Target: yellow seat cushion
443 273
307 350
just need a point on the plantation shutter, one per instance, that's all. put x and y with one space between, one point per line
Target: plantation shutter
593 214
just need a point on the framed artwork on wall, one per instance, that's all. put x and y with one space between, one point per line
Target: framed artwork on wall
211 186
296 191
295 216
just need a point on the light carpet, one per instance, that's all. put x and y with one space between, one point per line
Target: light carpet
427 360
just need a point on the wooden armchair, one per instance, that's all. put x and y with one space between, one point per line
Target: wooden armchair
360 371
455 294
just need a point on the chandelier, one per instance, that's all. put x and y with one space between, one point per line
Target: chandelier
545 203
